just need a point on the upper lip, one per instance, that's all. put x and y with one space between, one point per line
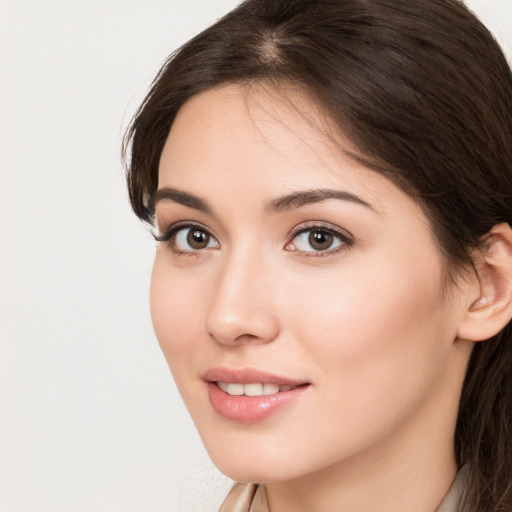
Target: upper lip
247 376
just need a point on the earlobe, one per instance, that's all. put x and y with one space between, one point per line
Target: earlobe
490 302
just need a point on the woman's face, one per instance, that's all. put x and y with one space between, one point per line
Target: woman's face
298 297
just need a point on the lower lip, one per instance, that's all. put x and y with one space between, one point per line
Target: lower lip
250 409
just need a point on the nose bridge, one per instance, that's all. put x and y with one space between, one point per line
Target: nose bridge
242 308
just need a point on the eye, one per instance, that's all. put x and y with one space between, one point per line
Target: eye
318 239
193 239
188 238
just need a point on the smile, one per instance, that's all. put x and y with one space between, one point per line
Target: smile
253 389
248 395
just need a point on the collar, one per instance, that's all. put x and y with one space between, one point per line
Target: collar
253 497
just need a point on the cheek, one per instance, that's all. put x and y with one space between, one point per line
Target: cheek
374 330
175 312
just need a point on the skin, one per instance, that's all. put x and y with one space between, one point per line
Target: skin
371 324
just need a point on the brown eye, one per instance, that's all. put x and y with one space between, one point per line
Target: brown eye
320 240
191 239
197 239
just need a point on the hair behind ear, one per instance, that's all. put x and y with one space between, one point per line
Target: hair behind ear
483 437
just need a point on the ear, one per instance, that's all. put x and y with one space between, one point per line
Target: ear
490 296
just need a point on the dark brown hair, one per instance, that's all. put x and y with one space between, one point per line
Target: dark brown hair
424 92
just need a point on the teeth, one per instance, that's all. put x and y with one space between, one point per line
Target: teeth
253 389
223 386
270 389
235 389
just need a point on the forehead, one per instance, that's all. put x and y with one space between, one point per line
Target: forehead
239 150
256 115
256 133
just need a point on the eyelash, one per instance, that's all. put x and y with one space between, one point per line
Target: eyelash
169 236
345 239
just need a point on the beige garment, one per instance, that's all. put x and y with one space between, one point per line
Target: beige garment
253 498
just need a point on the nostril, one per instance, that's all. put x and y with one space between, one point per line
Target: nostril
246 327
235 340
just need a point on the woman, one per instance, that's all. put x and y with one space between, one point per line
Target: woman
330 183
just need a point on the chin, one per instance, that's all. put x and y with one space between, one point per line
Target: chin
255 466
245 472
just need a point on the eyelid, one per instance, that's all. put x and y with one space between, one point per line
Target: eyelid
170 230
345 236
327 226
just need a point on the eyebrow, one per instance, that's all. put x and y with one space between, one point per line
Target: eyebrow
280 204
184 198
303 198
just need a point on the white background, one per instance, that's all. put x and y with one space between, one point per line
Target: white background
89 416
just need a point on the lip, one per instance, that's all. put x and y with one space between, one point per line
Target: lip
248 376
250 409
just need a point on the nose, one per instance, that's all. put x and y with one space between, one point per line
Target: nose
242 309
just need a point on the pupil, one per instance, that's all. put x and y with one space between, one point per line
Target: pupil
197 239
320 240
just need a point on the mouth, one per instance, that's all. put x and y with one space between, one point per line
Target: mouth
254 388
248 395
